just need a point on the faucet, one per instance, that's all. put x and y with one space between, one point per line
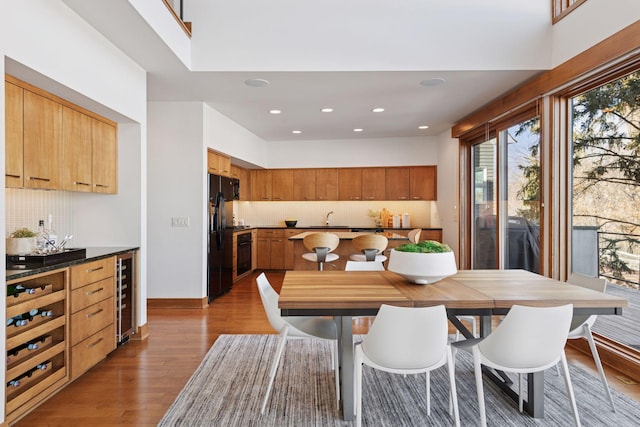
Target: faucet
327 221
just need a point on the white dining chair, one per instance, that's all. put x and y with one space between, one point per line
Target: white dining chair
581 326
407 340
295 327
471 320
528 340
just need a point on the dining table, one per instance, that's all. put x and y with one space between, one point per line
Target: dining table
482 293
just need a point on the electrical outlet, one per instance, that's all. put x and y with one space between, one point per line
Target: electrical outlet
180 221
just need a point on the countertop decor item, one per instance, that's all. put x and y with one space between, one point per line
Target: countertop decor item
290 222
22 241
423 263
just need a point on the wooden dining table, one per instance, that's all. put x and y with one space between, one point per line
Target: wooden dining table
483 293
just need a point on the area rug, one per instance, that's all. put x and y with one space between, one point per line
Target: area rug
227 390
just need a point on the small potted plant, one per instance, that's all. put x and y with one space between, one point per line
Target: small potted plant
424 262
21 242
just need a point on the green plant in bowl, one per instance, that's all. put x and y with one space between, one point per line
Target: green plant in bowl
22 233
424 247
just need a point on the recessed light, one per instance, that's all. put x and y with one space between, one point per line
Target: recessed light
436 81
327 110
358 130
296 131
257 82
275 111
423 127
378 110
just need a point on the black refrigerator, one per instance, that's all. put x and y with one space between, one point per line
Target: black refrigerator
220 250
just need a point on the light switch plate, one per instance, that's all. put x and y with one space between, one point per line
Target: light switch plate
180 221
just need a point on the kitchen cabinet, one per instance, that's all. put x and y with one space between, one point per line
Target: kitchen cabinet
260 184
13 101
289 248
350 184
243 176
77 146
218 163
281 184
304 184
37 362
423 183
373 184
42 144
104 157
397 182
92 324
327 184
271 249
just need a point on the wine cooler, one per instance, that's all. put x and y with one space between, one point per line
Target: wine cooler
124 297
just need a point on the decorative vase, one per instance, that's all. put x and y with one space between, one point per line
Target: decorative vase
422 268
20 245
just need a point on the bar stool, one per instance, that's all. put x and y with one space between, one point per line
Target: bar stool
321 245
370 247
414 235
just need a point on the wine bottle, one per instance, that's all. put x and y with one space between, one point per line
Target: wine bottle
43 366
41 240
14 383
16 290
52 237
46 313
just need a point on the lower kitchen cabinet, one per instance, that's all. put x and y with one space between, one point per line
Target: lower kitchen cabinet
271 249
37 344
93 317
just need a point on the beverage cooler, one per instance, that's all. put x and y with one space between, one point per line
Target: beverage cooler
124 297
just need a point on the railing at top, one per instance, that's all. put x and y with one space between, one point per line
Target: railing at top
176 9
619 258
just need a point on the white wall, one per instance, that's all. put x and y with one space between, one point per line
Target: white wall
353 152
592 22
448 185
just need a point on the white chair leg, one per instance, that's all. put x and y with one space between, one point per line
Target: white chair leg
557 369
596 359
358 387
567 381
336 367
274 367
477 369
428 393
453 395
520 393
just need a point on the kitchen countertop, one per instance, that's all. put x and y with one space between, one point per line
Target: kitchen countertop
93 254
345 227
348 235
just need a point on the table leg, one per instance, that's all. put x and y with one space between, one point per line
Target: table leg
345 354
535 392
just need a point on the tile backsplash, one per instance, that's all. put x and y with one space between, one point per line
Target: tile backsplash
25 207
353 214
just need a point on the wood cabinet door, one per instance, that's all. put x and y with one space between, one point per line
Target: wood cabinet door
224 165
104 158
13 102
327 184
278 249
304 184
423 184
281 184
373 184
260 184
77 143
263 255
212 162
350 184
397 183
42 142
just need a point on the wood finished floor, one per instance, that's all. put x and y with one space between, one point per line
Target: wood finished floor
136 384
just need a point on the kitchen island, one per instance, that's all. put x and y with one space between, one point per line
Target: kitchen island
344 250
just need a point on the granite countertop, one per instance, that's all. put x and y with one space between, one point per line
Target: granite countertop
93 254
345 227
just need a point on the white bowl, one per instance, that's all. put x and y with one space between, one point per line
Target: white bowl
422 268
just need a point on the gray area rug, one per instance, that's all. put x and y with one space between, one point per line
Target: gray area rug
227 390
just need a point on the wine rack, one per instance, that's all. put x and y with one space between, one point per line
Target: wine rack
37 356
124 297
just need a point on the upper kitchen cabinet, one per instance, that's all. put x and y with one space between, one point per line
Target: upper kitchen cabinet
218 163
304 184
260 183
327 184
90 153
350 184
397 183
423 182
373 184
13 101
42 145
104 157
281 184
243 176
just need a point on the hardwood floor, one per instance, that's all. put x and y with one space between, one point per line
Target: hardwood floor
136 384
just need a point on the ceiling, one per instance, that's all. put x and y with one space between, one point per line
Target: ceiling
300 95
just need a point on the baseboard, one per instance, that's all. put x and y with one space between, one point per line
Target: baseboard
188 303
620 357
141 334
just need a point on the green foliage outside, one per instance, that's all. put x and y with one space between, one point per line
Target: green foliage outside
426 247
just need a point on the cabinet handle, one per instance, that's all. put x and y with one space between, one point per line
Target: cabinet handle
417 198
95 292
95 312
354 198
95 343
80 183
402 197
10 175
102 185
36 178
93 270
369 198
